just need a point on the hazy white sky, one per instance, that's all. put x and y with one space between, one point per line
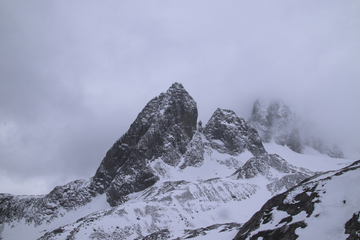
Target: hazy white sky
75 74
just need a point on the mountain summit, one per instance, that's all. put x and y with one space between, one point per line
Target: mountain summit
162 129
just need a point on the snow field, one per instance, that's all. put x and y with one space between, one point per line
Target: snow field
312 159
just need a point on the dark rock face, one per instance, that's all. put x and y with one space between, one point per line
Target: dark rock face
275 121
352 227
163 129
229 133
285 232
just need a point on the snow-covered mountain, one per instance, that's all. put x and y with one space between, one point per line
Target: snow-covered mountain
167 177
274 121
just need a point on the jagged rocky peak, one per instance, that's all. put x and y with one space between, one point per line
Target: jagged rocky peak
178 104
163 129
275 121
229 133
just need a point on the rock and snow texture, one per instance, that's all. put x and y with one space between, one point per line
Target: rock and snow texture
168 206
325 206
163 129
36 210
167 177
274 120
281 174
229 133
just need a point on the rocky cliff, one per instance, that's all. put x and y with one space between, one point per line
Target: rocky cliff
163 129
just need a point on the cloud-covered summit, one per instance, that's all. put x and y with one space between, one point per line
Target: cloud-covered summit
274 121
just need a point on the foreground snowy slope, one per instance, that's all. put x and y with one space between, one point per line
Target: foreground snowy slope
326 206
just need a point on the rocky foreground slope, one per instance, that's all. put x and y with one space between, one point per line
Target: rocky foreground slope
167 177
325 206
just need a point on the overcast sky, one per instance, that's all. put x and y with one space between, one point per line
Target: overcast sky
75 74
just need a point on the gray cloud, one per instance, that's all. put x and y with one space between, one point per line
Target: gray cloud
75 74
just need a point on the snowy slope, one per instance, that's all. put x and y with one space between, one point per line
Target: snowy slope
310 159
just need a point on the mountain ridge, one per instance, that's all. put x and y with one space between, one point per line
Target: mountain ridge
166 174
